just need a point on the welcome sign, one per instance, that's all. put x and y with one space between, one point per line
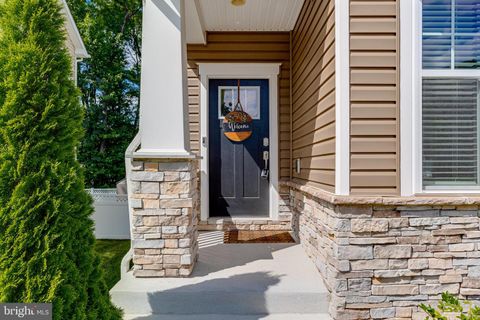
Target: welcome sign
237 126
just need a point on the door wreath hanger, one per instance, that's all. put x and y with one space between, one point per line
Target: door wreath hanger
237 124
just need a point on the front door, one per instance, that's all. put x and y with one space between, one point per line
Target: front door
238 171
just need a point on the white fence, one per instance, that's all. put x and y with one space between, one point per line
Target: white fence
111 214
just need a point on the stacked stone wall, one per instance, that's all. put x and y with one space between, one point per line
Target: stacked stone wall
381 262
164 206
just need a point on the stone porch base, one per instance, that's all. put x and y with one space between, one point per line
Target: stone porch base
381 261
379 257
163 199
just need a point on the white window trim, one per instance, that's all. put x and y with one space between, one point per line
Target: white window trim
475 74
269 71
411 74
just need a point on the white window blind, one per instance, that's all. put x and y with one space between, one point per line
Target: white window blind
450 132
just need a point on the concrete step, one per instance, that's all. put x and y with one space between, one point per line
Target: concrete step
289 316
240 303
231 279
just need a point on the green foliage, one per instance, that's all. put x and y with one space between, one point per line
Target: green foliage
451 304
110 82
111 253
46 244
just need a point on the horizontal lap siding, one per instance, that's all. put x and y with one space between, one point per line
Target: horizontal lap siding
374 95
194 106
237 47
313 94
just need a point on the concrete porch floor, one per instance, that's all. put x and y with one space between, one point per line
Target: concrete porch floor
231 281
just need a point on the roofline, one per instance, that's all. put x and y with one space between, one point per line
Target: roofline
72 30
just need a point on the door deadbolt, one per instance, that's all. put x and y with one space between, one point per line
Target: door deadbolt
266 142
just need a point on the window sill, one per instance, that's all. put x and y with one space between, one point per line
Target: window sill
449 192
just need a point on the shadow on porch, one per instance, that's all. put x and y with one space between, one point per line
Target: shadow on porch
231 281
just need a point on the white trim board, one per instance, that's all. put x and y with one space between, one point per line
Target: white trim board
74 34
267 71
342 97
409 77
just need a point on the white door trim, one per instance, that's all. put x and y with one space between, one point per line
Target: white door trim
267 71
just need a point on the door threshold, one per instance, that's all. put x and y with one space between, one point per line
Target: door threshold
242 218
243 223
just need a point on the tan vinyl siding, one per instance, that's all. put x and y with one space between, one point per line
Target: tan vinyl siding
194 106
313 94
259 47
374 96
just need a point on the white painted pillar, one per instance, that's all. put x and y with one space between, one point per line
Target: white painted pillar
163 94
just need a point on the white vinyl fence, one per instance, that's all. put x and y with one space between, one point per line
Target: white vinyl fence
111 214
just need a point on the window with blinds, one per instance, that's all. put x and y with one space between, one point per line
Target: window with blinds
451 34
450 99
450 132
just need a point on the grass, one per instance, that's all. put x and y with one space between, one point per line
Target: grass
111 253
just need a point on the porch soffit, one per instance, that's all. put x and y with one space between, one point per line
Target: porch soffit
255 15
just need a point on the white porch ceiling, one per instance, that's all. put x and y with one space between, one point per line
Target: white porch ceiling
255 15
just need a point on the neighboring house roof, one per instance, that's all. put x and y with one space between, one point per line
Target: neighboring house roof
72 30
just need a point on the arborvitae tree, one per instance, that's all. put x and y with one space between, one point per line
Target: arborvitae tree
46 238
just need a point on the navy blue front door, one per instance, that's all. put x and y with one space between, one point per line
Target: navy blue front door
237 187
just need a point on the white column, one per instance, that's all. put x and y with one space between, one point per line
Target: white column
163 95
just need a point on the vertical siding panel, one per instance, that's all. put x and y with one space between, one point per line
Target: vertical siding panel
240 47
374 96
313 90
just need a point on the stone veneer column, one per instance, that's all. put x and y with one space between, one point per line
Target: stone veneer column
164 208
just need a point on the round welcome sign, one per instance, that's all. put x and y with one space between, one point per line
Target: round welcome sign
237 126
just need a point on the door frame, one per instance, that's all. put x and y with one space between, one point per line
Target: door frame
268 71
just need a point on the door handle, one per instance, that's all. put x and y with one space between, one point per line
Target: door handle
265 172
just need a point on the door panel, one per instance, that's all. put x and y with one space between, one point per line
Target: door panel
236 185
